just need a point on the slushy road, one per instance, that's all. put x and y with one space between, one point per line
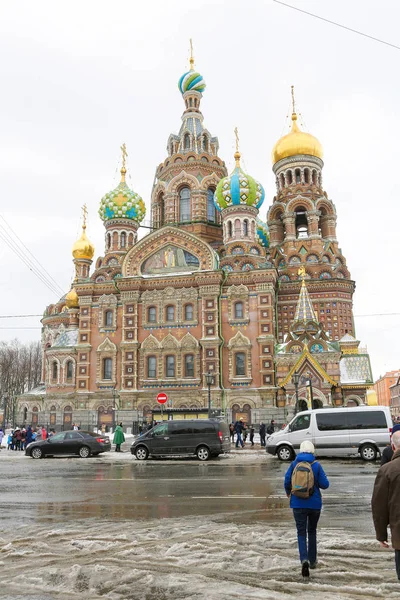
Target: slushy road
113 527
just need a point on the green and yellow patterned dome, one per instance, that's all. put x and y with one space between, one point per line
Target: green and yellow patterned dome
122 203
238 188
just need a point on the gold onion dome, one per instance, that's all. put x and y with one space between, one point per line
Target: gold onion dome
71 299
83 248
296 142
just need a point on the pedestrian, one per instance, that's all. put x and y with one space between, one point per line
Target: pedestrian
51 433
252 435
245 432
140 430
44 433
387 452
385 502
232 432
262 434
75 427
1 436
29 435
23 438
39 431
303 481
119 437
239 427
271 427
10 438
17 439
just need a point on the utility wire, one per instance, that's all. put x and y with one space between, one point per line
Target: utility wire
33 256
371 37
6 237
18 316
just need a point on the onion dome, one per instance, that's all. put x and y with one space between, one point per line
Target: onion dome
83 248
262 233
191 81
296 141
122 203
238 188
71 299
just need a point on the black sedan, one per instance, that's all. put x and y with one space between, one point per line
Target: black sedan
83 443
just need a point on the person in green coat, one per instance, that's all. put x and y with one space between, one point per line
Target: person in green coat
119 437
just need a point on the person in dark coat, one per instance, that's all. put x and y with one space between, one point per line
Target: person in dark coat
387 453
29 435
252 435
271 427
262 434
385 502
239 427
306 511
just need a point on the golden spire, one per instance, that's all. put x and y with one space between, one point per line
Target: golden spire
84 210
123 169
295 127
293 100
237 153
83 248
191 60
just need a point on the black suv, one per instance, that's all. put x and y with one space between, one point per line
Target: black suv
202 437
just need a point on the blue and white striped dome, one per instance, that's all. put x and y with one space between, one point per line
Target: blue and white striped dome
262 232
191 81
238 188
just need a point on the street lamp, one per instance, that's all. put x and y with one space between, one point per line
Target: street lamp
209 382
295 381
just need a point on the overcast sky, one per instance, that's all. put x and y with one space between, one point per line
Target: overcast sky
78 78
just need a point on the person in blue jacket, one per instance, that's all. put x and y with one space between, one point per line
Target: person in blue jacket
306 511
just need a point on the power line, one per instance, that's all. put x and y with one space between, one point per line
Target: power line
371 37
18 316
20 328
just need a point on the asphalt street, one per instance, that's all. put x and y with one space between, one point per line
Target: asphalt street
113 527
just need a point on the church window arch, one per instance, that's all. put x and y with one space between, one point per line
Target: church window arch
240 364
301 222
123 239
108 318
204 143
188 312
230 229
245 227
237 229
107 368
170 365
314 177
297 175
108 241
152 314
69 370
238 309
170 313
184 204
151 367
186 141
289 177
54 371
130 240
210 205
306 175
282 180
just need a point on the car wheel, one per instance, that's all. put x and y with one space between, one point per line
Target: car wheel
84 451
203 453
141 453
368 452
285 453
37 453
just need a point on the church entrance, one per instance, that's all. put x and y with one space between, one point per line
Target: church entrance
243 412
105 418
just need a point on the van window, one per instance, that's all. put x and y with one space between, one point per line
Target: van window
331 421
203 428
302 422
375 419
161 430
180 429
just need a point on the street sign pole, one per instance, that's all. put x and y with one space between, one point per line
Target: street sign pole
162 398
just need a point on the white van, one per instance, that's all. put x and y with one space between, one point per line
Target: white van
335 432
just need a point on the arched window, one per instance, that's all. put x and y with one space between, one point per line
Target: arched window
53 415
170 366
107 368
237 229
306 176
245 228
108 241
25 414
282 181
170 313
238 310
190 102
189 312
289 177
108 318
123 239
54 371
297 175
210 205
69 370
152 314
151 367
314 177
160 210
230 228
186 141
184 204
35 415
240 364
301 222
189 365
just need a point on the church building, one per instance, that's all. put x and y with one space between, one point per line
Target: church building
264 307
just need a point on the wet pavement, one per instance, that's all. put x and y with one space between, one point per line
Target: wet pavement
113 527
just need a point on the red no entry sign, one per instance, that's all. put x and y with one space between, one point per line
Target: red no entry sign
162 398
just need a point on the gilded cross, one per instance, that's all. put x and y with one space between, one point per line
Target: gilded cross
124 155
237 139
191 55
293 101
85 212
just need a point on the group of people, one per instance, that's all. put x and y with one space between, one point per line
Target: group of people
240 429
304 480
20 437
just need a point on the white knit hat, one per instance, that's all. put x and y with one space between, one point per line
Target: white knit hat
307 446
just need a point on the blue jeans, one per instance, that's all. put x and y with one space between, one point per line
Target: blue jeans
239 440
306 522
